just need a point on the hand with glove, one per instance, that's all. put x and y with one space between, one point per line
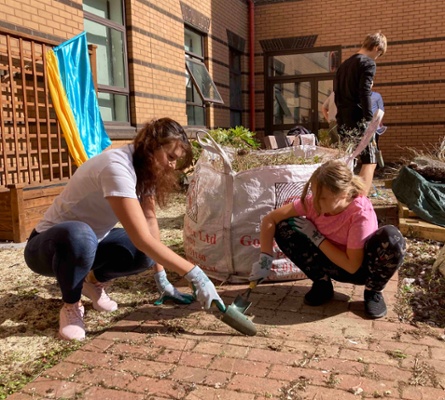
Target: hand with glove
204 289
305 226
168 292
261 268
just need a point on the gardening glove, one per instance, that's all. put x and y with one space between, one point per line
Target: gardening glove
168 292
261 268
203 289
305 226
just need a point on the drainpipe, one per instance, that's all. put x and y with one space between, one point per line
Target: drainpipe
251 65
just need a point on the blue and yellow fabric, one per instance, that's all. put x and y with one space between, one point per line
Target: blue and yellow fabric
74 99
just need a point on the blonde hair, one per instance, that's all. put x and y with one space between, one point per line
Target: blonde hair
335 176
375 39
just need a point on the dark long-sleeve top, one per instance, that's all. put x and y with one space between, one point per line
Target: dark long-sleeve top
352 87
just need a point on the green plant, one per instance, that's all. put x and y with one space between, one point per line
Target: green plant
238 137
324 138
397 354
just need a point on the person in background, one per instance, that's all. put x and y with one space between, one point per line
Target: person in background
331 233
377 104
352 87
77 241
329 111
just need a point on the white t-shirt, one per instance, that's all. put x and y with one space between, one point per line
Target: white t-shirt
110 173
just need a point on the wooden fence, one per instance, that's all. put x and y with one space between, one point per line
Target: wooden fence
34 160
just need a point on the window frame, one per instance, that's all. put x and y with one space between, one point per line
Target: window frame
205 99
273 77
115 90
199 60
235 70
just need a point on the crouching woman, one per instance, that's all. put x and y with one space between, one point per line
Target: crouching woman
77 240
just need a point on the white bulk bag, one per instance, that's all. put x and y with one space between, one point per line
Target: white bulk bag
224 210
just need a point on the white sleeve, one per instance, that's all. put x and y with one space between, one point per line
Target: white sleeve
118 180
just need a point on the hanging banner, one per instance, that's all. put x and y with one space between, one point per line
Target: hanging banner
74 99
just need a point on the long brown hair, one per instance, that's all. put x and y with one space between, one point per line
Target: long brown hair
335 176
152 178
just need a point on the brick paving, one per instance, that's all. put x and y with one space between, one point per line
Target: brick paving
182 352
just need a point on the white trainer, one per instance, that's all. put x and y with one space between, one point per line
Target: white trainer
97 294
71 326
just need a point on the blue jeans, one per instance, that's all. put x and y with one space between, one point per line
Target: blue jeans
384 254
70 250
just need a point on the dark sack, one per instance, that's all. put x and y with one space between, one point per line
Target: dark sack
425 198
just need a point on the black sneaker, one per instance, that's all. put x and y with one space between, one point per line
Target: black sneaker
375 306
321 292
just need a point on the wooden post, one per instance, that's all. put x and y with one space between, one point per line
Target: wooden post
18 212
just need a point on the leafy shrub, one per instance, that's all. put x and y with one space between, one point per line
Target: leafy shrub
238 137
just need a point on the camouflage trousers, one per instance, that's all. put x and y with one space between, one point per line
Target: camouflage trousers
384 254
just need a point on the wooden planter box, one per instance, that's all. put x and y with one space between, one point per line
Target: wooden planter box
22 207
413 226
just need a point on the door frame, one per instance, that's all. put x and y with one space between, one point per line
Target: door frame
270 81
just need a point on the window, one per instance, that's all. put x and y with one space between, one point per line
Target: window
105 27
200 88
296 85
236 103
304 63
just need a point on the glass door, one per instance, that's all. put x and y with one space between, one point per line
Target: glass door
292 104
296 88
300 103
325 87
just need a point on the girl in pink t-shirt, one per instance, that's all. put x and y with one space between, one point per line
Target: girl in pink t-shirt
331 232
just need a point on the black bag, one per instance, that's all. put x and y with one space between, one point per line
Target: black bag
284 141
298 130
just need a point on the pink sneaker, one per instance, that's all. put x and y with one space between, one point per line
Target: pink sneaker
71 325
96 293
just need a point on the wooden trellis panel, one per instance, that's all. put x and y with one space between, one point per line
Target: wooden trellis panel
34 160
32 148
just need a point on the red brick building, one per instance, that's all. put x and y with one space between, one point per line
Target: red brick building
142 49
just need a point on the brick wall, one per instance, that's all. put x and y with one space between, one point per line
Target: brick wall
156 54
155 44
53 20
156 60
410 76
